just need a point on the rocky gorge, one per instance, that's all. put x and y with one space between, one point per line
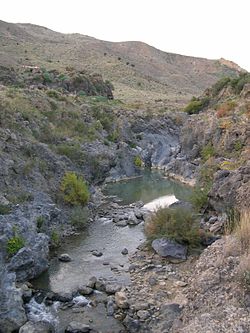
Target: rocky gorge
59 126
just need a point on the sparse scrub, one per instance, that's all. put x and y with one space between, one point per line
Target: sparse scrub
138 162
54 238
219 85
72 151
74 189
4 209
225 108
199 197
238 145
176 224
14 244
79 216
196 105
40 222
207 151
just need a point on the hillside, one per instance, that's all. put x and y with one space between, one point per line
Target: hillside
138 71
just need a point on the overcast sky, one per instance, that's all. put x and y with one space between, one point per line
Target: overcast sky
205 28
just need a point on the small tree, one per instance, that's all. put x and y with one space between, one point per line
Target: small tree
74 188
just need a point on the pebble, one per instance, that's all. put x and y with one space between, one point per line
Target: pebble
124 251
97 253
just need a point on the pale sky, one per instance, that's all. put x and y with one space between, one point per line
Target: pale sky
202 28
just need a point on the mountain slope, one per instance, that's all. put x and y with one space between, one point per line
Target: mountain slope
138 71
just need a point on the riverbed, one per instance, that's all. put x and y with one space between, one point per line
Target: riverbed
104 236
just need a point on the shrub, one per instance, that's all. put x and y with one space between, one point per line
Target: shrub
196 105
4 209
225 108
238 145
47 77
219 85
199 197
54 238
14 244
74 189
113 137
138 162
176 224
207 151
239 82
79 217
72 151
40 221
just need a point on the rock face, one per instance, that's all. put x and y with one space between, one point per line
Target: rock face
30 262
169 249
12 314
213 289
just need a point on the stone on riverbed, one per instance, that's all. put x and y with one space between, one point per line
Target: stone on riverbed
76 327
124 251
92 282
121 300
97 253
113 288
84 290
64 257
169 248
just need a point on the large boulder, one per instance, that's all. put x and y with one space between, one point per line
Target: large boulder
169 249
30 262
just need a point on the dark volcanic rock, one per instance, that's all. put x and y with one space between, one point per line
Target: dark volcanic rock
169 248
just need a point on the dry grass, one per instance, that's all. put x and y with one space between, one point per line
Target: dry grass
242 231
243 272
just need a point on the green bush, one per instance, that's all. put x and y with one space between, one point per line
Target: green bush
238 145
72 151
4 209
176 224
219 85
113 137
207 151
196 105
79 216
239 82
54 238
39 222
138 162
74 189
14 244
199 197
47 77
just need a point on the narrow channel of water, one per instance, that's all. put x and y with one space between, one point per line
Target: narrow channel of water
149 187
103 235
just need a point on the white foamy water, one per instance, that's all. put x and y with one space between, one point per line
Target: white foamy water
81 301
42 313
161 202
